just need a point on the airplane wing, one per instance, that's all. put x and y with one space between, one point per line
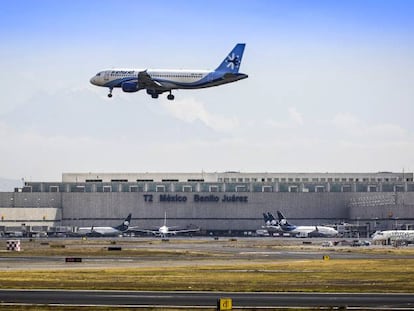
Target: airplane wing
145 81
136 229
184 231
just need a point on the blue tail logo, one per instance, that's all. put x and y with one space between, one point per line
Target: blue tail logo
232 62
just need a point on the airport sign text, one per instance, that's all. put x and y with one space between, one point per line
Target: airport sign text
211 198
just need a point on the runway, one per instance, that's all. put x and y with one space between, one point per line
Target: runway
204 299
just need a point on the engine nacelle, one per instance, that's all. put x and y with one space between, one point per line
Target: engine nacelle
130 87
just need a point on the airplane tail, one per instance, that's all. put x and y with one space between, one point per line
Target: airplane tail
270 219
282 219
125 224
266 219
232 61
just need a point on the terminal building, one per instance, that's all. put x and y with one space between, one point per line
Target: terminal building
218 203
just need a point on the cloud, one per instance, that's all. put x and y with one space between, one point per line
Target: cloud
294 120
349 126
295 116
189 110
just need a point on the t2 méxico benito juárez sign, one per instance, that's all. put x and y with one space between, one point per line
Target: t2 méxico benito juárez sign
197 198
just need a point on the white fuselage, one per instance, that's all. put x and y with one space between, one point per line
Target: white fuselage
407 235
167 79
305 230
163 230
105 231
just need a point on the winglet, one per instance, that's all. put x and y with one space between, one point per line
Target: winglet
233 60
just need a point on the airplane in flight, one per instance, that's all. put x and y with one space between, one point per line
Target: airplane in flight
158 81
105 231
301 231
164 230
387 236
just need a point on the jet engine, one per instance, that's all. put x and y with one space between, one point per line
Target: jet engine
130 87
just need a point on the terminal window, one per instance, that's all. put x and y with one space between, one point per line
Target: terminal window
107 189
54 189
187 188
160 188
79 189
213 188
241 189
319 189
293 189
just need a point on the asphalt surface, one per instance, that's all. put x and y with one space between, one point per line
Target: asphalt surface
205 299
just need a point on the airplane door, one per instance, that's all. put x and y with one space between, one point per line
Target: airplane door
106 75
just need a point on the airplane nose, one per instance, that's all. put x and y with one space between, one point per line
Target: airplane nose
92 81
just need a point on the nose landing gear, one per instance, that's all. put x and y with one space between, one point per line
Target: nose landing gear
110 92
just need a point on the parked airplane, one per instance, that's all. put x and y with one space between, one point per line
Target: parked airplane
392 235
165 231
105 231
158 81
305 231
271 224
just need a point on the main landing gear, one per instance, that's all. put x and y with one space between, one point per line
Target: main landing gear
110 92
170 96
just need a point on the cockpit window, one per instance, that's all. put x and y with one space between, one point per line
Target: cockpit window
98 74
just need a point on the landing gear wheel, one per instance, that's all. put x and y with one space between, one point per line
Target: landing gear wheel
110 92
170 97
154 95
109 95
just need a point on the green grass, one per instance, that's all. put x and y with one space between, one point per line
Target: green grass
396 275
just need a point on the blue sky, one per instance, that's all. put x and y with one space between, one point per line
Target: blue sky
330 87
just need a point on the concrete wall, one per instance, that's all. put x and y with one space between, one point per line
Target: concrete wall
399 206
243 210
42 216
209 212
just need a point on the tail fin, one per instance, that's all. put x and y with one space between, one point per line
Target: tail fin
273 221
269 219
232 62
282 219
266 218
125 224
